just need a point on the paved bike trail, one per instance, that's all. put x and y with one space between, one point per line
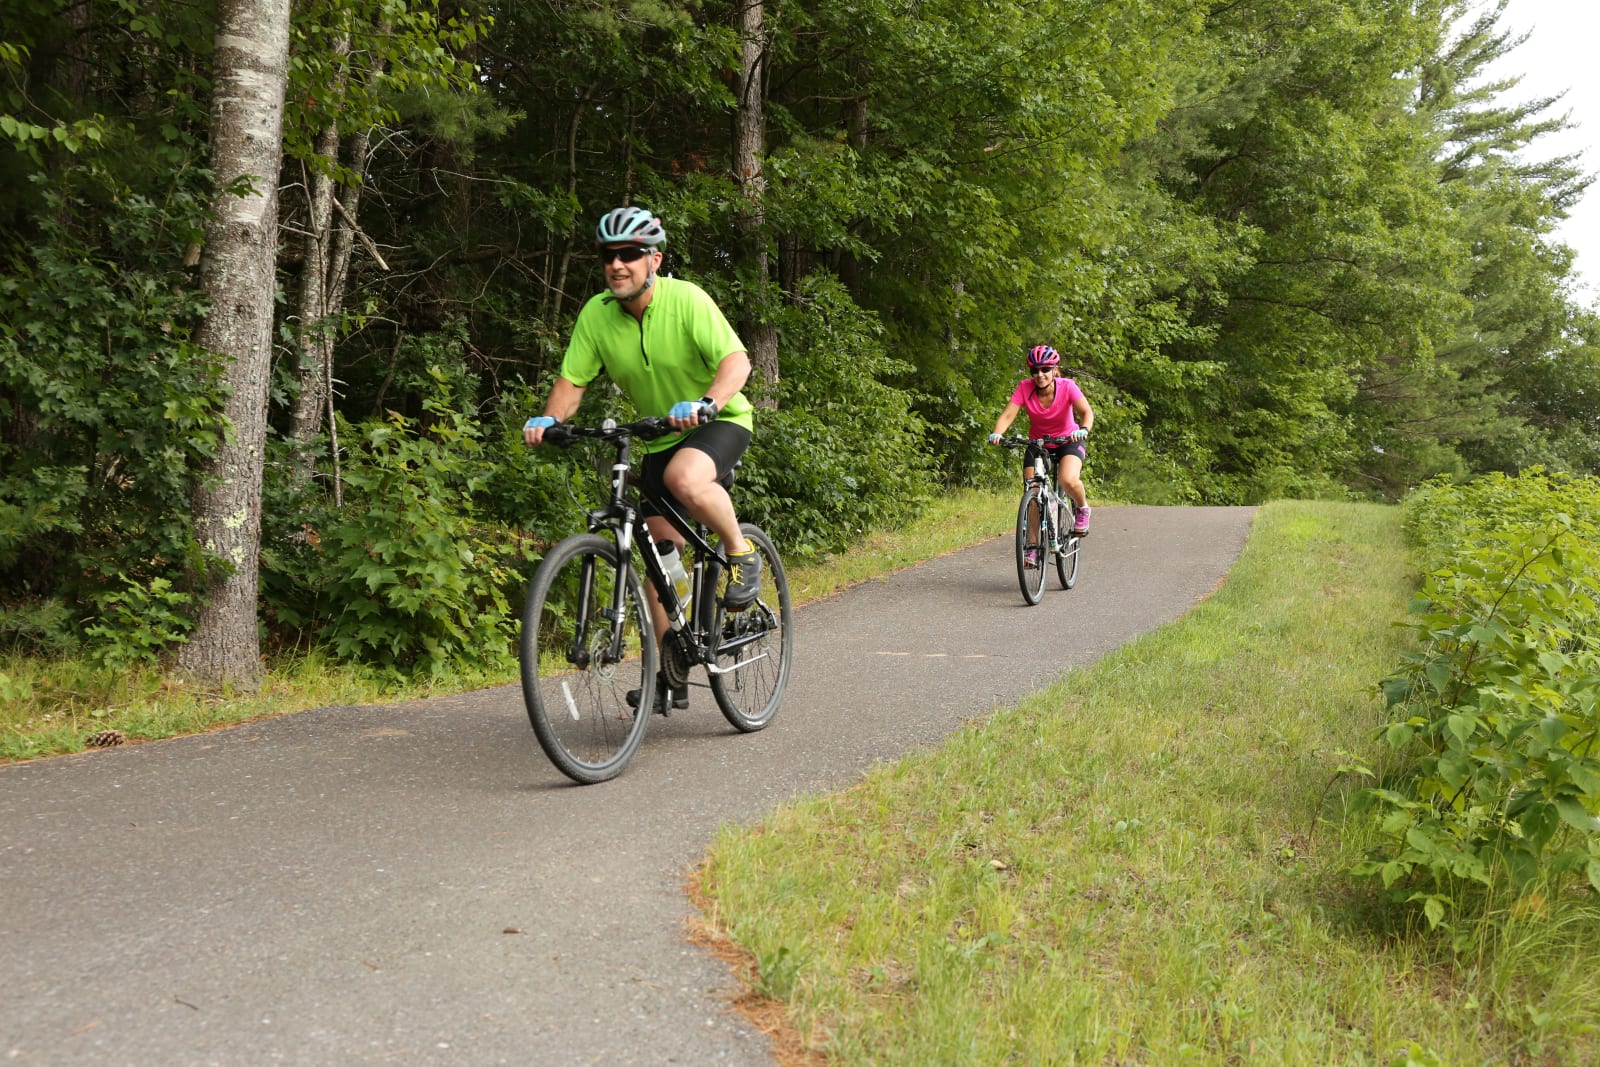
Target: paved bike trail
415 884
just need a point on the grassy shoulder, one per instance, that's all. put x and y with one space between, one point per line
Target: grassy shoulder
51 707
1146 862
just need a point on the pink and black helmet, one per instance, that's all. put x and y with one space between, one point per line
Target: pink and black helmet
1043 356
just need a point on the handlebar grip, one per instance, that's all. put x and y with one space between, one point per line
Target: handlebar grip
559 435
653 426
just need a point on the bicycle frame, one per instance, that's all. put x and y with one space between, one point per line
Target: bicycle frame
1045 472
623 521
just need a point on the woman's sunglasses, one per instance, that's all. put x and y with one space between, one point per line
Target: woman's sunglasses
627 255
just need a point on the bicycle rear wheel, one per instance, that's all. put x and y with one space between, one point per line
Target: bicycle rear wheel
1031 512
574 687
754 647
1067 560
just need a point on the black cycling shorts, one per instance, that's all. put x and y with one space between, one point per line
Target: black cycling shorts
1057 451
723 441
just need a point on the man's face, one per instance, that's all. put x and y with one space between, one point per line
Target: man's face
626 269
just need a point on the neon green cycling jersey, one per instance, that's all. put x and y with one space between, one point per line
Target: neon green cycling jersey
671 355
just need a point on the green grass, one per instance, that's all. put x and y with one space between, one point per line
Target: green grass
1145 864
51 706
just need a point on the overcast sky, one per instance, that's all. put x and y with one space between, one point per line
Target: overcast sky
1561 54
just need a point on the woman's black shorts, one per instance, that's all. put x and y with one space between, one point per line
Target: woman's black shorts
1057 451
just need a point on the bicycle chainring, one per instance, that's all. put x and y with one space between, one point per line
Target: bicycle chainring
675 658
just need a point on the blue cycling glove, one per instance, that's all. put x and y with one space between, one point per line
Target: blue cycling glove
705 409
539 422
1080 434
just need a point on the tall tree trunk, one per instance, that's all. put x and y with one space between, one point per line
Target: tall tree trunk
311 316
331 230
749 147
559 292
237 270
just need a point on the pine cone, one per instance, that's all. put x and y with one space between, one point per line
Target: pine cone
105 739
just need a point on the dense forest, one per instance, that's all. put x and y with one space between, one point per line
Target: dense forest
1288 248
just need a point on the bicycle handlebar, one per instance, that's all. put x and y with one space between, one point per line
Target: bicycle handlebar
1023 442
564 434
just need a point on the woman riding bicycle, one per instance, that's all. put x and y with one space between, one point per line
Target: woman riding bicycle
1056 407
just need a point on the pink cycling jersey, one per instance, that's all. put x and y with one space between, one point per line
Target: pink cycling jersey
1053 420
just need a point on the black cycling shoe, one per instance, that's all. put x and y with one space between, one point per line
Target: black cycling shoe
744 579
680 696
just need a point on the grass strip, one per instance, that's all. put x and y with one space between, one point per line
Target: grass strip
1144 864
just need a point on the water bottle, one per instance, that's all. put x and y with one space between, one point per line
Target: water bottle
672 563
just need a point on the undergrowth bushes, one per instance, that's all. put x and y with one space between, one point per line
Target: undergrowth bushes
407 576
1497 713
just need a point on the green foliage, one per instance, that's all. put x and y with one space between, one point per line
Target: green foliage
1498 712
359 64
841 452
38 626
105 403
1287 251
405 576
138 620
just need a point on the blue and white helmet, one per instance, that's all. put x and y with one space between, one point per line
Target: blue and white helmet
630 226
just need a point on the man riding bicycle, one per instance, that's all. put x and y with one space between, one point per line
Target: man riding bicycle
664 341
1056 407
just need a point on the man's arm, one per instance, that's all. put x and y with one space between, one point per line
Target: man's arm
562 405
732 373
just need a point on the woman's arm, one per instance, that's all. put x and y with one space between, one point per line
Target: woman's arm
1003 423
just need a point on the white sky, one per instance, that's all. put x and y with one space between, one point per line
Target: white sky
1560 54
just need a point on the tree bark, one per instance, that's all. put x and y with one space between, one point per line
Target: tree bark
324 275
749 146
237 271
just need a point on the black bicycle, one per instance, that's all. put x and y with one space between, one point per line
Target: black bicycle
1040 536
588 644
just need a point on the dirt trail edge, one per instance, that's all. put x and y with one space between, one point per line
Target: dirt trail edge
415 884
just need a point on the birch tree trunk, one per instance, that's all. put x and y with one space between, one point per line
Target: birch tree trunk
749 146
237 270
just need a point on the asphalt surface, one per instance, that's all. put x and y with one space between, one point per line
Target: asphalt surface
416 884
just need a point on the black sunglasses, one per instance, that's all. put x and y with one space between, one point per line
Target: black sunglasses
627 255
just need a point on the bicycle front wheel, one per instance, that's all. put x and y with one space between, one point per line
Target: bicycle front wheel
579 662
1031 546
754 647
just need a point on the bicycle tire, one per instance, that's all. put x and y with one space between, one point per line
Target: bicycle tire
579 710
1067 561
1031 579
754 646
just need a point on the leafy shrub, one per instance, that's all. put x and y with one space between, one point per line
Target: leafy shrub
1500 707
106 404
406 576
137 621
842 452
543 493
40 626
1443 518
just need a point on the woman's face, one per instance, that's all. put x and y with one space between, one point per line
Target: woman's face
1042 376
